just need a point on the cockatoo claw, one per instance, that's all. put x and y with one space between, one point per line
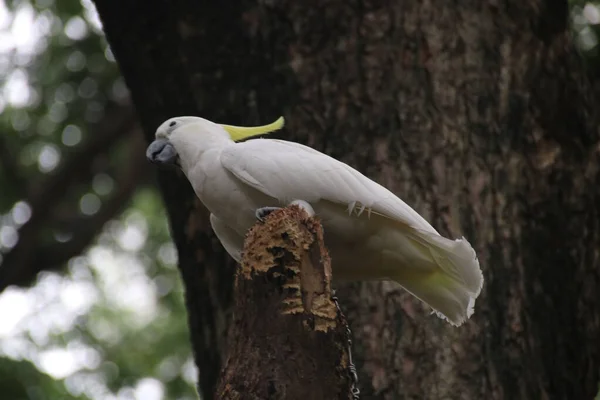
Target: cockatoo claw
305 206
261 213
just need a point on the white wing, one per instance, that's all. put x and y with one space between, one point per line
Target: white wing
290 171
443 273
232 242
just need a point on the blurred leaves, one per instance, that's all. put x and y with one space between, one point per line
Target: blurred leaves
77 199
22 380
585 22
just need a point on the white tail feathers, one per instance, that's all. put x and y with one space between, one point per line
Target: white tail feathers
455 280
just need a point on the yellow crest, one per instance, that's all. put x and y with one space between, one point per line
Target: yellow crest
242 132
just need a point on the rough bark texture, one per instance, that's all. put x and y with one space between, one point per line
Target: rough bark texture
478 114
287 340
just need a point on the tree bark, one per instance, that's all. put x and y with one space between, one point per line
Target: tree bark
480 115
287 340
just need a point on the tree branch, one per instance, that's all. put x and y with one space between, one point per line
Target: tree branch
10 167
287 339
22 264
118 123
84 229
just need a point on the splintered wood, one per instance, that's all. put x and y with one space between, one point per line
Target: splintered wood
290 246
287 339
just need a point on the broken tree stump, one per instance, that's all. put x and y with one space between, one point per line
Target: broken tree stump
287 339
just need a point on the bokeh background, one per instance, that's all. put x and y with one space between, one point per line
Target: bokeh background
91 306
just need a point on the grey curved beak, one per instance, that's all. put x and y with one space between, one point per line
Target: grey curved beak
161 151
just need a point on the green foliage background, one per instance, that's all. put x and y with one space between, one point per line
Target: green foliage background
111 323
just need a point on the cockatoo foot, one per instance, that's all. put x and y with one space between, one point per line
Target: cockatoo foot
305 206
261 213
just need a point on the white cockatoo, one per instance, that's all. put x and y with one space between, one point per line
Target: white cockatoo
370 232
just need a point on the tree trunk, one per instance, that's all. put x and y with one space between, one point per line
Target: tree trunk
478 114
286 340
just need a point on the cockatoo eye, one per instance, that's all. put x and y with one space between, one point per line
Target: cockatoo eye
171 126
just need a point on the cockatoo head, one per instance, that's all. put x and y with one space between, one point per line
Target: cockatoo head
180 135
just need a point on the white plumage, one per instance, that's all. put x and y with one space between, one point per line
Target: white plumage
370 232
